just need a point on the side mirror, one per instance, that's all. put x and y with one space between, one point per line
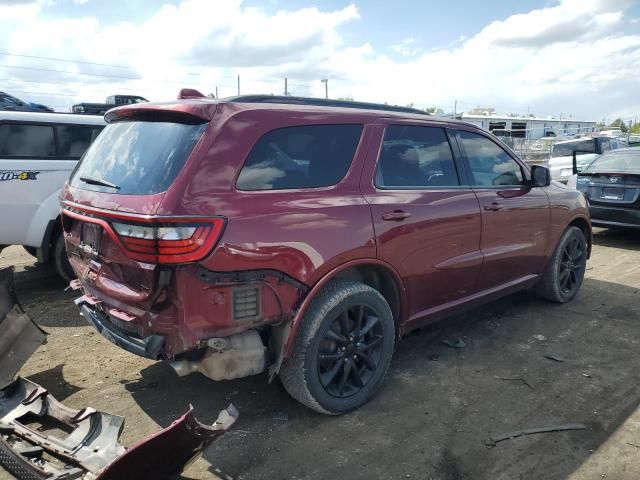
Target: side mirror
540 176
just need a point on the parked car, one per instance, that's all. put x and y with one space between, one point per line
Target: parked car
38 151
255 233
561 161
111 102
611 184
11 103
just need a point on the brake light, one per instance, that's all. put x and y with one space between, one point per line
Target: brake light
169 242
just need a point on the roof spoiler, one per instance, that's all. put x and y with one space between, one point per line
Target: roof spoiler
186 93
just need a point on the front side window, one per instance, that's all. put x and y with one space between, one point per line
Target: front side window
490 165
23 140
416 157
310 156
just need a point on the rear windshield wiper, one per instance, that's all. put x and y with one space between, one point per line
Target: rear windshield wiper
99 181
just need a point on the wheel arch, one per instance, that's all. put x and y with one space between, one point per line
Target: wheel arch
370 271
584 225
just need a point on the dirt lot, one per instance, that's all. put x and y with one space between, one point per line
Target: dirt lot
436 410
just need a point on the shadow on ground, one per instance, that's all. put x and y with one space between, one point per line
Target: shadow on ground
440 404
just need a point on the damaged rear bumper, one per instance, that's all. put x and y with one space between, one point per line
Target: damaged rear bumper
91 449
40 438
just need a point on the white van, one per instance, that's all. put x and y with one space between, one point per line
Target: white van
38 151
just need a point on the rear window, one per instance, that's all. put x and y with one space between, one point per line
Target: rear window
21 140
141 158
310 156
617 161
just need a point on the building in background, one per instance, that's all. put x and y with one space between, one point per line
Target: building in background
528 127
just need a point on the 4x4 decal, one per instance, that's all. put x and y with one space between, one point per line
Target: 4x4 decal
7 175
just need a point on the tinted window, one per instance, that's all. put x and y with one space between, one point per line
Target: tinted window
18 140
142 158
566 149
617 161
73 140
605 145
490 165
300 157
416 157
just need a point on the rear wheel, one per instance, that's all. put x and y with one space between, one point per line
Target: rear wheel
60 259
564 274
343 349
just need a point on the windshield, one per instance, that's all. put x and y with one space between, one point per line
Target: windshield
566 149
136 158
617 161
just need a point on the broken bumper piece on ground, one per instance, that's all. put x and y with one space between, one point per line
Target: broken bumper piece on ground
40 438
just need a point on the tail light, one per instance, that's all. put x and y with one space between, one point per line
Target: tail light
155 239
171 241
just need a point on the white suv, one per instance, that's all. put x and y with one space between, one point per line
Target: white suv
38 151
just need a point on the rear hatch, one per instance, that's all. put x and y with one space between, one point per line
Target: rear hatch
116 243
611 189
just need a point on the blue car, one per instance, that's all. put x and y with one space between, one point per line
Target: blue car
9 102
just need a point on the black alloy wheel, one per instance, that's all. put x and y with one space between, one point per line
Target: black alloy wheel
572 264
350 351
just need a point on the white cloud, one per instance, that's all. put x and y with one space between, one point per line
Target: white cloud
571 56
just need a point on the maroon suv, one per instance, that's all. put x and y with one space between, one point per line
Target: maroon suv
231 237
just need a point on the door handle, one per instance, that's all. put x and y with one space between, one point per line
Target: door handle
494 207
395 216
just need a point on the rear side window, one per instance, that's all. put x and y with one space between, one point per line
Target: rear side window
140 158
310 156
416 157
73 140
20 140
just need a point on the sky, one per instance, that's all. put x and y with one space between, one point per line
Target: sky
578 58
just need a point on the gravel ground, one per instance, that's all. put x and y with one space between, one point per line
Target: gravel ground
437 409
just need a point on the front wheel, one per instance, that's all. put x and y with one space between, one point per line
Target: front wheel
564 273
342 350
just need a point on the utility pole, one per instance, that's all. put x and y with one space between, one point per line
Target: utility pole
455 109
217 92
326 87
286 90
238 85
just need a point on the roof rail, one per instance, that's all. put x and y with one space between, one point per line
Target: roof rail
321 102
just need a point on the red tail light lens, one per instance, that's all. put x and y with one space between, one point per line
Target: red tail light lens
170 242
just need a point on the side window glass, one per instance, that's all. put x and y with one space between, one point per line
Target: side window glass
310 156
606 146
73 140
20 140
490 165
416 157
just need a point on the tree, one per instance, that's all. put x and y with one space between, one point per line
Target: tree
619 123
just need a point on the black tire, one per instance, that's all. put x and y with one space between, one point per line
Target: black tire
60 259
33 251
356 349
563 276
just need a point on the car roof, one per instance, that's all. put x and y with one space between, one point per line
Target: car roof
51 117
205 107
